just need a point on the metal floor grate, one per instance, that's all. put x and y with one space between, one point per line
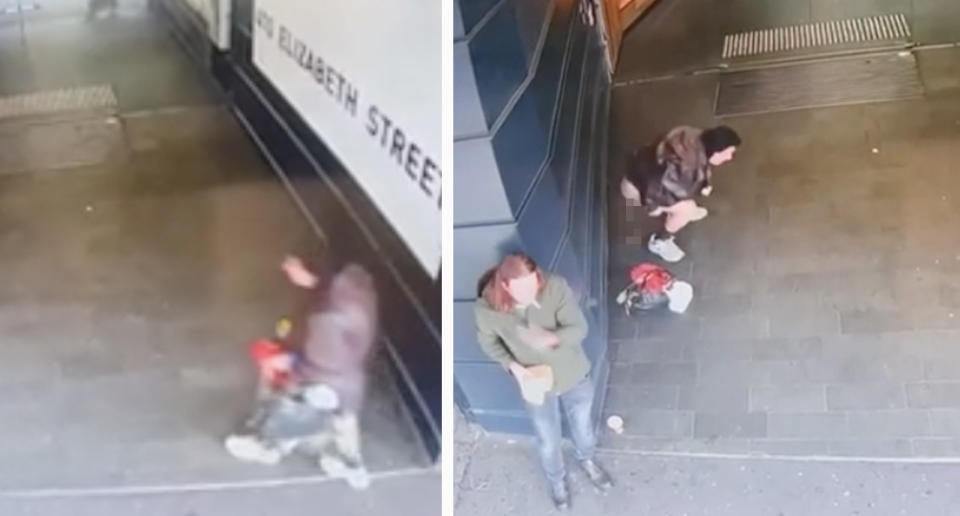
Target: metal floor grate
890 27
57 101
819 84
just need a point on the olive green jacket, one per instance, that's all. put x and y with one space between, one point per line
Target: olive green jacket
559 313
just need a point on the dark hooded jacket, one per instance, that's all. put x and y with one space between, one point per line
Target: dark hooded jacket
675 169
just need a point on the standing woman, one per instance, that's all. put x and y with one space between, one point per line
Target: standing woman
530 323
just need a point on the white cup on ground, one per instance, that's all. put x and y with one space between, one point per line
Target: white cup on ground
615 423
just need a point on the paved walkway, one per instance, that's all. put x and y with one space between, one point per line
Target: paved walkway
140 246
418 492
827 313
504 478
684 35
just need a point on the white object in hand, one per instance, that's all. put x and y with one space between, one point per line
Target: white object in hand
535 383
615 423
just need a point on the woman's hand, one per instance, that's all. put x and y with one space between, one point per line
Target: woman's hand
298 274
630 193
537 337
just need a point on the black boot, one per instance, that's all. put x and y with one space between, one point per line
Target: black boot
560 495
597 475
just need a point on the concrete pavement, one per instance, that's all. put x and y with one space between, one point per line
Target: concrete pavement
503 477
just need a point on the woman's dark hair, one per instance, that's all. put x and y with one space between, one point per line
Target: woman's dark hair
719 139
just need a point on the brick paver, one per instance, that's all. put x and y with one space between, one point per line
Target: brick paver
827 276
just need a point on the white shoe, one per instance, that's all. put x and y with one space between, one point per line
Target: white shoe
665 248
250 449
356 476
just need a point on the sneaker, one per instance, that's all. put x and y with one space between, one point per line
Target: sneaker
665 248
597 475
355 474
250 449
560 495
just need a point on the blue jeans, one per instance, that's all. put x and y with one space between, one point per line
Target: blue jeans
578 406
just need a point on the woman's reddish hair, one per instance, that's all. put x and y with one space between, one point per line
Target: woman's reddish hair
494 282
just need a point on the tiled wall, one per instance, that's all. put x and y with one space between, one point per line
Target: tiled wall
530 122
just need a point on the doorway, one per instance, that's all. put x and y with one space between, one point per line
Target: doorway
620 15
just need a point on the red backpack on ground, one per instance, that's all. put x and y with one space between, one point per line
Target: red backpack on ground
652 286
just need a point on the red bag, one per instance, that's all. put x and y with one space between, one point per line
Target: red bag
264 350
650 278
647 288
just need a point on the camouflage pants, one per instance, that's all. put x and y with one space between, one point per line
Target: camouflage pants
282 425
